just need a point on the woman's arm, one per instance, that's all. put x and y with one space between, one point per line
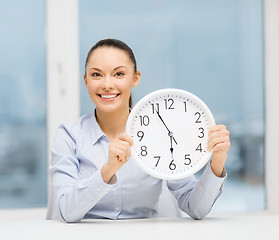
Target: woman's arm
70 197
196 198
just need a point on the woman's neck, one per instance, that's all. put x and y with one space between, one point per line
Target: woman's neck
112 124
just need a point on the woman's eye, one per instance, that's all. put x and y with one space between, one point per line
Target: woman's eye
119 74
96 75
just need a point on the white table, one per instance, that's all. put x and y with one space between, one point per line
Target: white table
253 226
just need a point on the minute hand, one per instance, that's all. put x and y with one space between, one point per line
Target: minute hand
170 133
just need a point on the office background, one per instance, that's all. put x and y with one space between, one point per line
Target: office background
214 49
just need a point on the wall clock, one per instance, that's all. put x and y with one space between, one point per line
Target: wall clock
169 128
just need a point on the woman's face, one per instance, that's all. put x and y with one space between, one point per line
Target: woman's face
109 78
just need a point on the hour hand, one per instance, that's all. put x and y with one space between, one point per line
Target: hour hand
171 148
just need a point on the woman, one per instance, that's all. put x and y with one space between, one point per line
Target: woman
91 174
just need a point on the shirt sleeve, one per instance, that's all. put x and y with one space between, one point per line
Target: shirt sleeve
69 197
196 197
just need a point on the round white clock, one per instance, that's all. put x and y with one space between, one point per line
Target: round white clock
169 128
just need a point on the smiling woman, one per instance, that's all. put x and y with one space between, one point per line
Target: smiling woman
91 173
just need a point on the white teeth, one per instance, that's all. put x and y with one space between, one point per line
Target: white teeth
108 96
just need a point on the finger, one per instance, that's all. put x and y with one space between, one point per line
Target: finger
125 137
117 152
217 128
224 147
124 147
220 139
217 140
218 133
118 156
220 146
218 136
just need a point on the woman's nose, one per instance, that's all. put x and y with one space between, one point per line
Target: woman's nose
107 84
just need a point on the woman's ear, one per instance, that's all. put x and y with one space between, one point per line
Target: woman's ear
136 79
85 79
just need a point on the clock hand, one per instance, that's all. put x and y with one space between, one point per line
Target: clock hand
172 138
170 133
171 149
162 121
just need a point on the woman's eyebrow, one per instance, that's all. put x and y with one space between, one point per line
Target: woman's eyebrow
97 69
119 67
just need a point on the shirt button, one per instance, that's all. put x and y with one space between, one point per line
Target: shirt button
117 208
98 189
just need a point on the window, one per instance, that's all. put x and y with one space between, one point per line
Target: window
211 48
22 104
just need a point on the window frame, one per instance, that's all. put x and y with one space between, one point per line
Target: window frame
63 80
271 79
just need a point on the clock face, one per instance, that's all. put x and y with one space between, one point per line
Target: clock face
169 128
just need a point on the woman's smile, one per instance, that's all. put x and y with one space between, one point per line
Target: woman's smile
108 97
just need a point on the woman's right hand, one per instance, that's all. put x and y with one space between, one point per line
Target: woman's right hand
119 153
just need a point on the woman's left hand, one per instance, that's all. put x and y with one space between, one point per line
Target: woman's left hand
219 142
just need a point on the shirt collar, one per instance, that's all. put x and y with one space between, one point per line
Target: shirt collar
96 131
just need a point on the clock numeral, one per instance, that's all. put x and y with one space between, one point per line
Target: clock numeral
143 151
199 148
201 133
187 159
155 107
172 166
199 116
140 134
169 103
185 106
144 120
158 157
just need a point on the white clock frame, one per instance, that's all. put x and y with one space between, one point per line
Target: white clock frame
180 163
